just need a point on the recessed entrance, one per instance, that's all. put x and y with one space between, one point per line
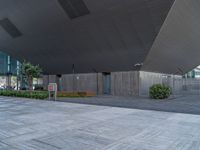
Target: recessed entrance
107 83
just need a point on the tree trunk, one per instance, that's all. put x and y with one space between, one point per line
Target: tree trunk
30 82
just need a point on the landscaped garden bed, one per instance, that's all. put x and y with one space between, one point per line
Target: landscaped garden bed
44 94
76 94
25 94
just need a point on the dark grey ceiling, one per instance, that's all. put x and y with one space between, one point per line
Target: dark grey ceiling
106 35
176 49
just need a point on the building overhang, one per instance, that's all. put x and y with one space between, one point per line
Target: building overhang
102 35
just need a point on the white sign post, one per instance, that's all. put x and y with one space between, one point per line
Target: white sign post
52 88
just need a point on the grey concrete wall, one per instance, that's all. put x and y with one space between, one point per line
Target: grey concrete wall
125 83
77 83
122 83
177 83
45 81
80 82
147 79
48 79
191 86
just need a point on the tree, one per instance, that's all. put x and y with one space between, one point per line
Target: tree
28 72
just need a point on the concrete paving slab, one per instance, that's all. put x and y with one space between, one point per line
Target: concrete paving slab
180 104
46 125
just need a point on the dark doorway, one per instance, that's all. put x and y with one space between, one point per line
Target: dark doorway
107 83
59 81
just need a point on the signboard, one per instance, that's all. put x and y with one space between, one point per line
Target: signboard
52 88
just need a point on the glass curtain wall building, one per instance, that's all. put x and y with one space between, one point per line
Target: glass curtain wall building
195 73
10 76
9 70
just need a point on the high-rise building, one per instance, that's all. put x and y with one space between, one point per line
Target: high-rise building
9 70
8 65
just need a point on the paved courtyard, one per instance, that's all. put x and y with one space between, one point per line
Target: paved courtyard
46 125
180 104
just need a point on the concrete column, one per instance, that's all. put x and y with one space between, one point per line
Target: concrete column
100 83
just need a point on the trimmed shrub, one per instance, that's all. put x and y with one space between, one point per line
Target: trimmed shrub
159 91
25 94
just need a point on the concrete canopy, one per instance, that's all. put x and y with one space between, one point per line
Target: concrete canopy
107 35
176 49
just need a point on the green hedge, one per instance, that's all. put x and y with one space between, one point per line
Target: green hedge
25 94
159 91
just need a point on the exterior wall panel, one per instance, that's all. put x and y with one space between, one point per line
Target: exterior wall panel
147 79
125 83
80 82
132 83
77 82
